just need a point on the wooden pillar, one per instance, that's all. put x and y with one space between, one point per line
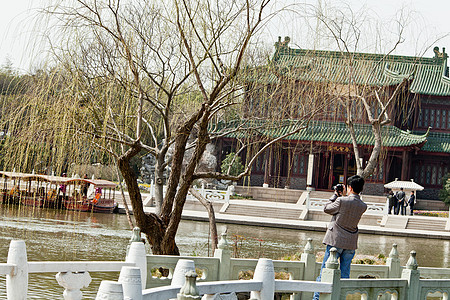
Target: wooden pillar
316 173
288 166
345 168
405 164
330 176
268 166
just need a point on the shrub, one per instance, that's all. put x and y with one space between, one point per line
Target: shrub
236 165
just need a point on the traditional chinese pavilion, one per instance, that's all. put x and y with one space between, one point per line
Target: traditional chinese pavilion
416 144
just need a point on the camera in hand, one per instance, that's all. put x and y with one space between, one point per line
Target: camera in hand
339 188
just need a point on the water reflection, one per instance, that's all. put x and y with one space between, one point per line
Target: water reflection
64 235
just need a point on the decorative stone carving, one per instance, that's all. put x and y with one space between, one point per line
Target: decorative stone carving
130 278
332 262
223 243
110 290
309 247
189 290
73 283
231 296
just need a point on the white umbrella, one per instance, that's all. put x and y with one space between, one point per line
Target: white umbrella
406 185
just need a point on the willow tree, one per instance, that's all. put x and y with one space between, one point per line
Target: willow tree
136 77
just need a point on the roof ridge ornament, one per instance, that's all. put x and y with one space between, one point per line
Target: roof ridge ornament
439 55
282 45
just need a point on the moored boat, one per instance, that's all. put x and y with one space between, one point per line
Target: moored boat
88 195
96 195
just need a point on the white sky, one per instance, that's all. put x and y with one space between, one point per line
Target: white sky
432 20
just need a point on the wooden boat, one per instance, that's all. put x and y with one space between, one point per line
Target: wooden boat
58 192
96 195
30 189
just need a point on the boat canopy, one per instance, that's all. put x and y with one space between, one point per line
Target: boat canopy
102 183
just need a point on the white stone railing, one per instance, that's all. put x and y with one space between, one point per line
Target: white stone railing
72 275
220 274
263 286
213 195
222 196
373 208
184 286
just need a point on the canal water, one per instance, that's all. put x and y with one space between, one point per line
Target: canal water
55 235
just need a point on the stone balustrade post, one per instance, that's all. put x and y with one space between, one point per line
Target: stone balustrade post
135 237
264 272
130 278
308 200
202 190
309 259
110 290
179 274
223 252
332 274
393 262
138 256
230 191
73 282
189 289
412 274
17 283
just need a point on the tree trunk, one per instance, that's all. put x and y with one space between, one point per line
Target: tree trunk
159 183
211 215
150 224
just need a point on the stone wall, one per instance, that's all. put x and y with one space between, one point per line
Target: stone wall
423 204
371 188
427 193
298 183
256 180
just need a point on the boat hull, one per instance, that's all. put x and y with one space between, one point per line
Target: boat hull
102 206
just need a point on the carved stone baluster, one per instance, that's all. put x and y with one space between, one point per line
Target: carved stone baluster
393 262
130 278
332 274
73 283
110 290
17 283
412 274
309 259
189 290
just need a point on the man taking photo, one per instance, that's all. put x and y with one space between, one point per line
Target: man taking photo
342 232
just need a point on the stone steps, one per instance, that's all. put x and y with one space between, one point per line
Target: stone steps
264 212
197 206
422 224
270 194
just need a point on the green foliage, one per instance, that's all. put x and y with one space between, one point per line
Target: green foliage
444 194
236 165
296 256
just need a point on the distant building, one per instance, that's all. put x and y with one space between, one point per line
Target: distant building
416 143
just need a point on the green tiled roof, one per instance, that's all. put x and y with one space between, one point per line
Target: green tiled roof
437 142
323 131
427 74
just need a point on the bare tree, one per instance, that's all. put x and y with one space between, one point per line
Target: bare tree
127 78
347 28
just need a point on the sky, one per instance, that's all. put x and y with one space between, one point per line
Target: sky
429 27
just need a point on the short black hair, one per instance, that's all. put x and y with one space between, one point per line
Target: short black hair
356 182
